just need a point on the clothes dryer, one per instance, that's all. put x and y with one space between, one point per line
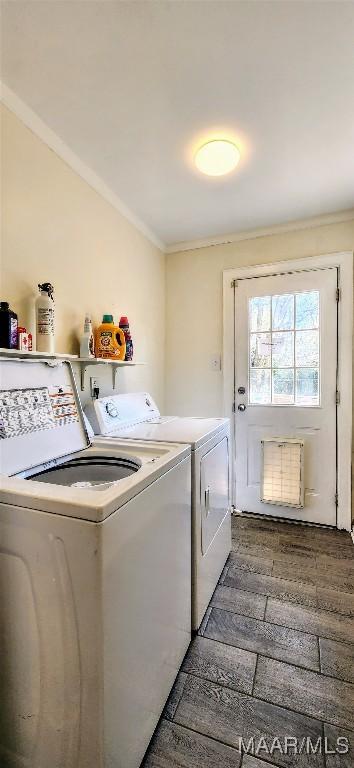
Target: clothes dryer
136 416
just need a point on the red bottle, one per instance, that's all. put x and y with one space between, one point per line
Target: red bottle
129 347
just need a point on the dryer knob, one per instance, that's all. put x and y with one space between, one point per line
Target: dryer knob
111 409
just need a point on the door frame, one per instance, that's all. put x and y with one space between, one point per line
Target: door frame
344 263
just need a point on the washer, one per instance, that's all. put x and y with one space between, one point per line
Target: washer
95 561
136 417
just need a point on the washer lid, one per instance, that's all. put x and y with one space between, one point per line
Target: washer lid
40 414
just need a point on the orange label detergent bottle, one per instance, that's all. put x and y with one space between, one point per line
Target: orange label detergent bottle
109 340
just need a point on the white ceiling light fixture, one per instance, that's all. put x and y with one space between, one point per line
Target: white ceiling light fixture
217 157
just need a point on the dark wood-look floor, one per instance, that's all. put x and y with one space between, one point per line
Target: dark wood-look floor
274 657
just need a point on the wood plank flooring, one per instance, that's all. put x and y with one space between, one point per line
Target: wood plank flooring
273 661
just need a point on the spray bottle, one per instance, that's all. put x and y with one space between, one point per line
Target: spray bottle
87 340
45 318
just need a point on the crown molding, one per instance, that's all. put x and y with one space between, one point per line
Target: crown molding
292 226
54 142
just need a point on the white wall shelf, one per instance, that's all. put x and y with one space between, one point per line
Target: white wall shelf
83 362
21 353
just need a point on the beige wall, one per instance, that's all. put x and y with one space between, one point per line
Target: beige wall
194 307
56 228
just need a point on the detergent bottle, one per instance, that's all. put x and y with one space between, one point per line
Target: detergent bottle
8 326
129 348
110 340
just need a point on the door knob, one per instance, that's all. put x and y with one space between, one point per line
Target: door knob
241 407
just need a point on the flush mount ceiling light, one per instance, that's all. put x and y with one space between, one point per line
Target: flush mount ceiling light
217 157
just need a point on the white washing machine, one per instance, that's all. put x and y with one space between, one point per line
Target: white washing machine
95 575
136 417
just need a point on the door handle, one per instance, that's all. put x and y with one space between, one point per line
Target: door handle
207 500
241 407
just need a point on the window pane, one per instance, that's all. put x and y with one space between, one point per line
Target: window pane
260 348
259 309
283 386
307 348
283 312
283 349
307 386
307 309
260 386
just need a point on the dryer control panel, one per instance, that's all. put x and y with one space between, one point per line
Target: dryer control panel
109 414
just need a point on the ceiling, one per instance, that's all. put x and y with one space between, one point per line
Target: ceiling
133 87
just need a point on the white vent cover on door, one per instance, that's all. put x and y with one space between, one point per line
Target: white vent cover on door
283 472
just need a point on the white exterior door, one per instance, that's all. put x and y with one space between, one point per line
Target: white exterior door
285 387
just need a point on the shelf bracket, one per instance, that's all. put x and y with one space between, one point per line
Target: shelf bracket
86 363
114 375
82 376
83 369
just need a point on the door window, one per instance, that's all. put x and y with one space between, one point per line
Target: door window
284 349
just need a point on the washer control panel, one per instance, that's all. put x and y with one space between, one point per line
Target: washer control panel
28 410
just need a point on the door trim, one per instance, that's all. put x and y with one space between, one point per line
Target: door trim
344 262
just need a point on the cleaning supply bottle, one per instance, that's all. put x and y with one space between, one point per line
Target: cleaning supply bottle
8 326
87 346
110 340
124 325
45 318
